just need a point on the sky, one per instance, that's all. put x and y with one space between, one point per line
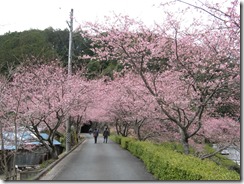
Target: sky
20 15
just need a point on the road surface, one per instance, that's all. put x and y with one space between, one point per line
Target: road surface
99 161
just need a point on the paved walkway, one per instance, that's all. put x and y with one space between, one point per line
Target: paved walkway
99 161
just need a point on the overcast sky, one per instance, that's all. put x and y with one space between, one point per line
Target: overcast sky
19 15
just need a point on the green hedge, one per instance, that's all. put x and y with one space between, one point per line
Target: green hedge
124 142
166 164
116 138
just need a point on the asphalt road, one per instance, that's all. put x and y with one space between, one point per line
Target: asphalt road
101 162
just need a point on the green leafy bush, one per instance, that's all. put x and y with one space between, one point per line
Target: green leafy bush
166 163
125 141
116 138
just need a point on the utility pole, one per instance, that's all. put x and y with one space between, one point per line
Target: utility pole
70 43
68 127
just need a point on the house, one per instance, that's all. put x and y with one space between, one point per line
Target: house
30 151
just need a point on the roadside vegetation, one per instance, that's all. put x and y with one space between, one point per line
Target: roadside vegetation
166 161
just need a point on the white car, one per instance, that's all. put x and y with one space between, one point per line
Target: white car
225 152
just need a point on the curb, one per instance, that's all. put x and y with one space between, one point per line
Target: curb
44 171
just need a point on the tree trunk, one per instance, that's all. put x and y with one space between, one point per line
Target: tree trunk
184 141
77 127
137 129
125 131
53 153
4 162
117 127
68 135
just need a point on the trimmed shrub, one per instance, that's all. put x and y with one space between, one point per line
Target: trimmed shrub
167 164
116 138
125 141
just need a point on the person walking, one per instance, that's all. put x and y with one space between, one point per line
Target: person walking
105 135
95 135
90 131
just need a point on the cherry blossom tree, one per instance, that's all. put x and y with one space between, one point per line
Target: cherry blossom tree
8 119
3 124
133 107
48 97
185 70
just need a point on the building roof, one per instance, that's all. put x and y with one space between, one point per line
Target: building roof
25 138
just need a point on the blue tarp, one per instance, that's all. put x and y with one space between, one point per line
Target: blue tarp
45 136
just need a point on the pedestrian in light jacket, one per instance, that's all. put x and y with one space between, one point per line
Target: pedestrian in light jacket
95 135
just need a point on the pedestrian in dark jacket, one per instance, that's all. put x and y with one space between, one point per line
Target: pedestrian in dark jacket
95 135
105 135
